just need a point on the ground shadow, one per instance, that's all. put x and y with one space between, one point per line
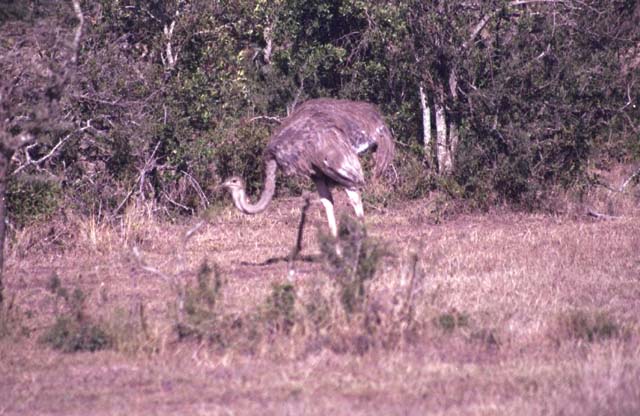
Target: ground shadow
309 258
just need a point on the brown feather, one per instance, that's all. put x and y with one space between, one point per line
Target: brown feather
323 137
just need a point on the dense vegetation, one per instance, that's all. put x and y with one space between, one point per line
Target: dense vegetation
169 96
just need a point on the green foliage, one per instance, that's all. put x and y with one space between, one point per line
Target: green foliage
73 330
535 98
352 260
32 198
201 316
588 326
279 310
70 335
415 180
449 321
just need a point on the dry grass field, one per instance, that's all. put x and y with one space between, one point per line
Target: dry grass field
493 314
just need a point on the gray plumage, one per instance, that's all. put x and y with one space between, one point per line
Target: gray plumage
322 140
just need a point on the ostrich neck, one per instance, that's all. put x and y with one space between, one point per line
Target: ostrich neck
240 197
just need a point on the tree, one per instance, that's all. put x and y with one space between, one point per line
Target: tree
520 89
32 85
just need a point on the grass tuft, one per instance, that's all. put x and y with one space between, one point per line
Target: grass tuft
352 260
74 330
198 316
11 319
452 320
587 326
279 311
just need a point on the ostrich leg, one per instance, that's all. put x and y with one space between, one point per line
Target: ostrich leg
327 202
303 220
356 202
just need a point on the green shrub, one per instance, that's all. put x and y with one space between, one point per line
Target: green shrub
32 198
201 318
74 330
449 321
279 312
353 260
72 335
588 326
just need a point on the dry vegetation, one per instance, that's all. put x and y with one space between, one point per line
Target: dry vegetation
500 313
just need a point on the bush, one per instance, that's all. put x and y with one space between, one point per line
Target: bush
74 330
587 326
32 198
279 311
451 320
72 335
352 259
200 318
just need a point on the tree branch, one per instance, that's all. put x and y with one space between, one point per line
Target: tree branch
170 57
426 123
198 189
55 148
485 20
629 179
269 118
601 216
78 35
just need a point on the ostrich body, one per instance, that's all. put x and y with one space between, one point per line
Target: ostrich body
322 140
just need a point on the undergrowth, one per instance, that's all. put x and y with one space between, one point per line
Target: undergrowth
197 312
74 330
11 320
352 261
584 325
341 312
346 310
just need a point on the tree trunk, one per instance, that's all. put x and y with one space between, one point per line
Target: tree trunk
4 170
426 124
441 138
454 136
454 139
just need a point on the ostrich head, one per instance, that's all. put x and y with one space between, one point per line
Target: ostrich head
233 184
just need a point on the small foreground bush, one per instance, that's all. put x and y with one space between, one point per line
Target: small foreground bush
74 330
352 260
587 326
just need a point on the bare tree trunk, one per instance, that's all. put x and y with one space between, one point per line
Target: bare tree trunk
5 158
454 136
441 138
426 124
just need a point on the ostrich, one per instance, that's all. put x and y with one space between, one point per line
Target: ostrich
322 140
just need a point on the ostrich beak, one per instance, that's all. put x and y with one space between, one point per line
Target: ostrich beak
222 187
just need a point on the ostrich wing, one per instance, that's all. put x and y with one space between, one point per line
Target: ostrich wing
309 149
335 158
324 137
362 124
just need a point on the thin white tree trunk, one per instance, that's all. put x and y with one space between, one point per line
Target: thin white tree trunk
426 124
454 139
454 136
441 138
